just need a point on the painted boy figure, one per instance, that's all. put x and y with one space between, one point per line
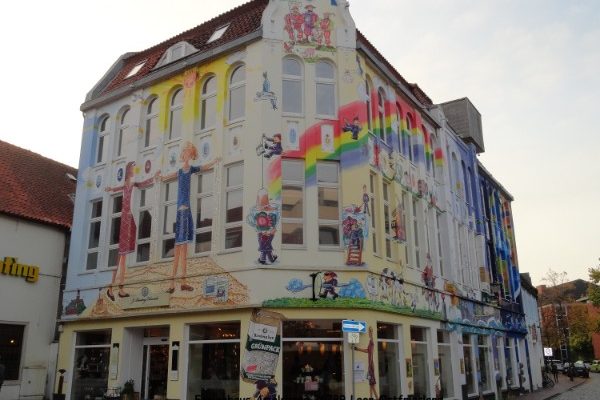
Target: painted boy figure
310 20
365 199
353 127
329 285
272 146
265 247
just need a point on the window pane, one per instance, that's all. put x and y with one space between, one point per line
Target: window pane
206 182
312 329
325 99
209 112
328 203
420 370
11 344
233 237
292 233
329 235
143 252
292 96
237 102
446 378
213 371
94 235
389 369
239 75
177 99
100 149
113 257
292 202
291 67
115 230
170 215
175 129
92 260
324 70
292 170
93 338
167 248
234 206
205 212
145 229
153 106
90 377
215 331
235 175
210 86
117 204
327 173
386 331
203 240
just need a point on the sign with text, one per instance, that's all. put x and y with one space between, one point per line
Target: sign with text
350 325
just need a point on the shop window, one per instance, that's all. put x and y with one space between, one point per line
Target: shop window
313 362
145 226
214 361
151 122
237 93
103 130
11 347
420 361
469 367
115 225
292 203
389 354
209 104
483 343
176 114
445 364
94 235
205 209
325 89
292 99
328 185
234 206
90 367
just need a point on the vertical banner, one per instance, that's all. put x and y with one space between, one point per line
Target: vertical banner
262 346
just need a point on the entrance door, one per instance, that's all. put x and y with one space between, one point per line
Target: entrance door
155 368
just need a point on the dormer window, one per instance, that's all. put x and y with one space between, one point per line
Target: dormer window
217 34
135 69
175 52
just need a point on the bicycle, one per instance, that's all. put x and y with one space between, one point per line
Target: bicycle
547 382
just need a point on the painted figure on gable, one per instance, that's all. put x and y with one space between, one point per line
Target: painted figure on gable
270 146
184 223
325 28
293 24
127 228
353 127
264 218
310 22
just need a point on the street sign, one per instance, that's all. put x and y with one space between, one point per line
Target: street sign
353 337
547 351
350 325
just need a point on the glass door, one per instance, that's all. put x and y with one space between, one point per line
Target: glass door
155 371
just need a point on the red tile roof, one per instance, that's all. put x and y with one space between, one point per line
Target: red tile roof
242 20
35 187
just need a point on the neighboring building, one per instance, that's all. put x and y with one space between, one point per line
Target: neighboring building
533 343
35 219
314 184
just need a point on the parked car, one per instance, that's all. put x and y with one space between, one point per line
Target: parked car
558 363
581 369
595 366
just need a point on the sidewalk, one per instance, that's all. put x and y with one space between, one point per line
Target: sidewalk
564 384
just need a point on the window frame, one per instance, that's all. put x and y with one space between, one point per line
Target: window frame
381 99
329 222
410 146
415 233
112 215
388 218
92 220
236 224
152 111
101 140
292 78
205 97
164 208
373 181
327 82
176 112
201 196
301 184
144 194
231 86
368 86
122 128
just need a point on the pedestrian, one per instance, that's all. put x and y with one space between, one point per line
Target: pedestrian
555 372
2 370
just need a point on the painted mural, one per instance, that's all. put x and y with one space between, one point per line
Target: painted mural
355 228
309 31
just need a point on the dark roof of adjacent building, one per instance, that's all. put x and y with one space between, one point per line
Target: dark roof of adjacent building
527 285
35 187
242 21
566 292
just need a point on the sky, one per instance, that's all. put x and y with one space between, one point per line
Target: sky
531 68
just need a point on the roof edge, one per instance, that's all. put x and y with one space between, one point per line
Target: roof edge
491 177
42 221
169 70
108 76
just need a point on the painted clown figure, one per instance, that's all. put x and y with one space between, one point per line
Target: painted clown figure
264 218
310 21
325 27
293 24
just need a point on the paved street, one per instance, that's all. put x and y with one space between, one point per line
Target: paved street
588 390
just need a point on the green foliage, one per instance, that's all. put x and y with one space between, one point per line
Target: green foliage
594 290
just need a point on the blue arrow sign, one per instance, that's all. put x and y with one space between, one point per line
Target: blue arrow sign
349 325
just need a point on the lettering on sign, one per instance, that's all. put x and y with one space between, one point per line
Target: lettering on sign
11 267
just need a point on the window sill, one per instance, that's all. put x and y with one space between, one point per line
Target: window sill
118 159
289 114
100 165
148 149
202 133
172 141
331 248
326 117
88 272
230 251
294 247
235 121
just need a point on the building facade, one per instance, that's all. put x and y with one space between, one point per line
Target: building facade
245 187
35 220
533 342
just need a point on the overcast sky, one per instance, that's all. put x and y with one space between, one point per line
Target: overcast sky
531 67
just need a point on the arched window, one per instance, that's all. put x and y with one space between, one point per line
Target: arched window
103 129
325 85
399 128
176 114
368 100
208 104
381 113
292 86
123 127
237 93
409 145
151 121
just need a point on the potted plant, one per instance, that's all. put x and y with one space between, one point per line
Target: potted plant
127 392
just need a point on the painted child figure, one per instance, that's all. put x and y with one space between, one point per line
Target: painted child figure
127 228
330 282
272 146
370 365
366 199
184 223
353 127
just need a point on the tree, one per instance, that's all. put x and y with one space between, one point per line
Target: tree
594 291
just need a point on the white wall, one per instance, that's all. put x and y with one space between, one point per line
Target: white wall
31 304
536 351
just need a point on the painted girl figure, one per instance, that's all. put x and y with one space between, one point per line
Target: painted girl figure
127 229
371 365
184 223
